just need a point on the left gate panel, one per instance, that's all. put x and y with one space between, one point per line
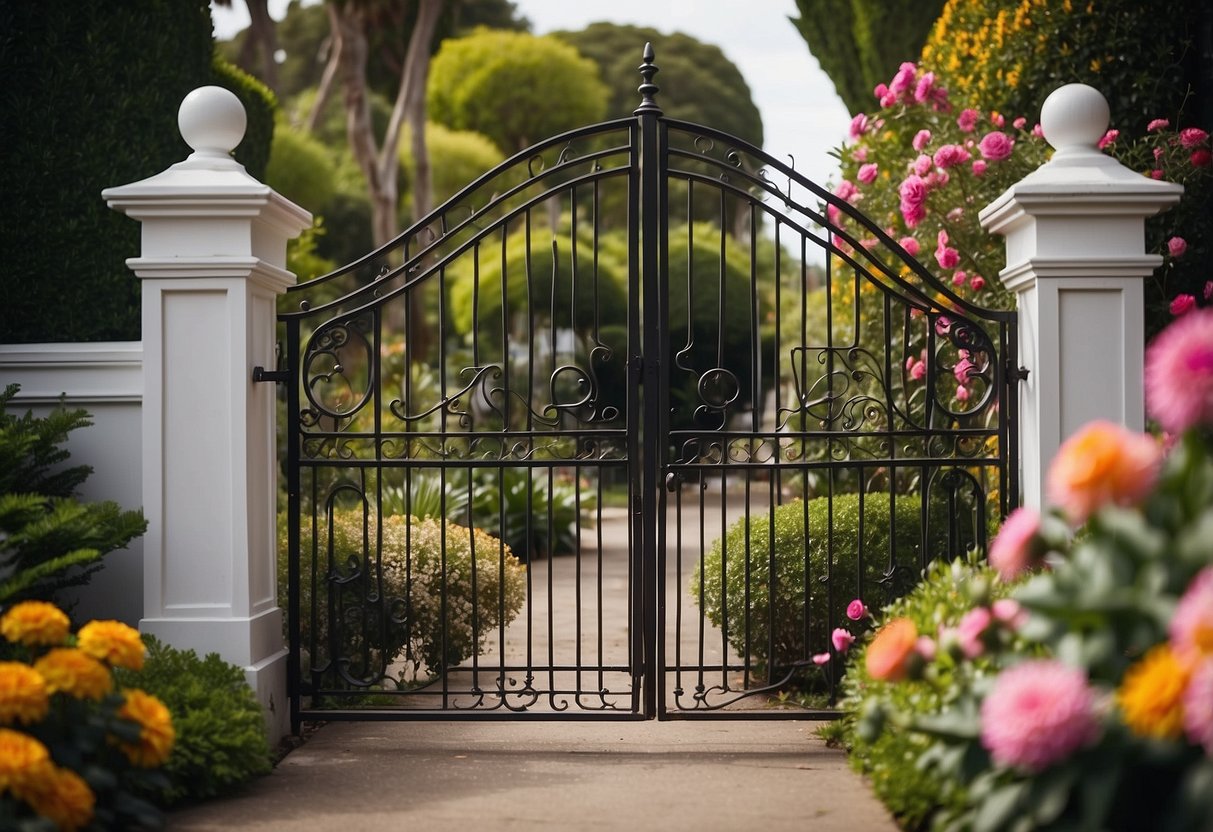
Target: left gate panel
456 540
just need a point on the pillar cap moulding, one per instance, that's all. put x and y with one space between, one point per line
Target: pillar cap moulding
1080 179
209 183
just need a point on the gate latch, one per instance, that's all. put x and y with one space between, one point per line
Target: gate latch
276 376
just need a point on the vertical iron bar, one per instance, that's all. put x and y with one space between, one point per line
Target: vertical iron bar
293 439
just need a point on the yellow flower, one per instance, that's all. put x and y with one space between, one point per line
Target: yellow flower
34 624
20 757
74 672
112 642
1151 695
60 795
23 696
156 733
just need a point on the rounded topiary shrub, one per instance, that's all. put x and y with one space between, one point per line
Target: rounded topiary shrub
833 551
404 622
221 739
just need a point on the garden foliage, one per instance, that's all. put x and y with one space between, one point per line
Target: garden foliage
221 741
49 540
424 562
1084 700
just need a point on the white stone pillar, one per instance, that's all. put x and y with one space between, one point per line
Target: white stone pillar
212 264
1076 258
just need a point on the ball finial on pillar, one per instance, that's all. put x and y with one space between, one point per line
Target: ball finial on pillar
212 121
1074 118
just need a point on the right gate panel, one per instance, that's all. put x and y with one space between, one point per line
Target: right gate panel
835 419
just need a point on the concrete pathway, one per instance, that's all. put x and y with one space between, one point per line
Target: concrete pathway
554 775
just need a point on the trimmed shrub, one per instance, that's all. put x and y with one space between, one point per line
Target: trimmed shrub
301 169
407 621
457 157
221 740
744 553
259 105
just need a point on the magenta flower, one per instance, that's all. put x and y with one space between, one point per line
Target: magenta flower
946 256
951 155
921 139
962 393
841 639
918 371
1108 138
1038 131
921 165
979 167
856 609
1019 123
967 120
1182 305
964 370
1193 137
821 658
926 83
1191 627
943 325
1157 124
903 82
995 146
910 245
977 283
880 91
971 631
867 173
1039 713
1158 152
913 213
997 119
1016 548
1176 246
1200 158
847 190
859 153
1198 706
859 126
960 277
1179 373
1009 613
1156 174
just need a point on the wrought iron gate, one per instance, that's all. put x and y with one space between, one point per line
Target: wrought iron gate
587 442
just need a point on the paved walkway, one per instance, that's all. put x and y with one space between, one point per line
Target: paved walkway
601 776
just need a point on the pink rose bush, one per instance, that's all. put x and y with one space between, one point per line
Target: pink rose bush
1078 665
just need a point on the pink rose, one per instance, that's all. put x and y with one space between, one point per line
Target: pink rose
995 146
1182 305
846 190
1176 246
841 639
1179 372
1019 123
964 369
921 139
910 245
1108 138
1039 713
979 167
971 630
1009 613
833 213
913 213
997 119
919 371
821 658
1157 124
912 189
859 126
1158 151
921 165
867 173
947 257
962 393
881 91
960 278
967 121
1016 547
922 92
1156 174
859 153
1201 158
977 283
856 609
903 81
1038 131
951 155
1191 137
943 325
956 213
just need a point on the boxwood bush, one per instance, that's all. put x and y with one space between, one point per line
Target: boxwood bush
744 552
406 622
221 739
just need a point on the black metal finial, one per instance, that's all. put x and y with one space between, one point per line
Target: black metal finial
648 89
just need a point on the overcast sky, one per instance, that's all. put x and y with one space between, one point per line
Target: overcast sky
801 115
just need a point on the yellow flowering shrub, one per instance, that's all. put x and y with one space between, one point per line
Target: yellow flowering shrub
72 751
1151 695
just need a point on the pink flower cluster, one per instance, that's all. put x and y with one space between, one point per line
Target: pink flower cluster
1039 713
1179 373
1191 632
907 88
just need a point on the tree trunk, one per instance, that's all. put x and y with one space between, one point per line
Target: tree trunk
416 74
331 65
262 37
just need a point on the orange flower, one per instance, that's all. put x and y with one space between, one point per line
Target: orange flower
113 642
889 653
74 672
60 795
20 758
156 729
1151 695
23 696
1102 463
35 624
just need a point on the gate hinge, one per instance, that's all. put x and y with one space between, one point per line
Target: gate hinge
276 376
1017 373
636 362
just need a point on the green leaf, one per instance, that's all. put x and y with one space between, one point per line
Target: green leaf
1000 807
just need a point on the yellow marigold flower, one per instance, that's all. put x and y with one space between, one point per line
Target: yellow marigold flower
60 795
20 757
23 696
156 733
1151 695
112 642
35 624
74 672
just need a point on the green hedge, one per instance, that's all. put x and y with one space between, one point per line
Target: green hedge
90 101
